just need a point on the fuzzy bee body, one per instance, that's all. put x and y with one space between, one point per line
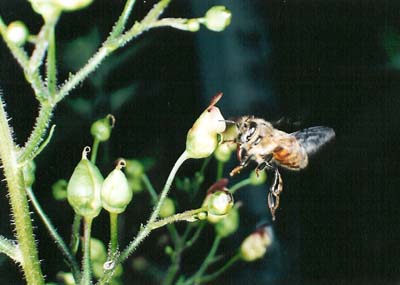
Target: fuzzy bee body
258 141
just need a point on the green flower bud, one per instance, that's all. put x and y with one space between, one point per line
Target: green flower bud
83 191
167 208
17 33
72 5
202 138
115 192
140 264
66 277
59 190
49 9
229 224
101 129
223 152
29 173
136 185
168 250
217 18
134 168
255 245
258 180
98 252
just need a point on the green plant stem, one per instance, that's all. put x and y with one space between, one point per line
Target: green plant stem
95 149
76 225
239 185
36 137
196 235
86 266
212 276
150 188
176 218
207 261
54 234
10 248
114 231
109 46
19 203
220 170
119 27
51 62
145 230
179 247
22 58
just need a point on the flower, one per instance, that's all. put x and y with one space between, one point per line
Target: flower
202 138
255 245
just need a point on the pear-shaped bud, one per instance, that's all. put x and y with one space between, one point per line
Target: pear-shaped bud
83 191
101 129
258 178
59 190
167 208
17 32
202 138
217 18
115 192
29 173
255 245
229 224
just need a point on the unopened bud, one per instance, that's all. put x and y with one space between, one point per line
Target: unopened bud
258 179
101 129
59 190
167 208
83 191
217 18
72 5
229 224
29 173
17 32
115 192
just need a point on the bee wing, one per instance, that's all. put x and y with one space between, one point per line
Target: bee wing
311 139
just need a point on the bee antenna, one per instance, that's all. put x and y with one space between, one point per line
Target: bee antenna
228 121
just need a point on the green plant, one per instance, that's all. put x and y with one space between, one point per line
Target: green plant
87 191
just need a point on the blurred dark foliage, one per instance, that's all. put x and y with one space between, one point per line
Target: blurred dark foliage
329 63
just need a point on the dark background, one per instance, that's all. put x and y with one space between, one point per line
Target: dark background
333 63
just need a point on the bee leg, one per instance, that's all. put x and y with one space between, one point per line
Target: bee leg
260 167
242 165
274 192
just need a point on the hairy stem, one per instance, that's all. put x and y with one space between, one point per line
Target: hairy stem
114 231
86 266
120 25
36 137
54 234
95 150
51 63
19 204
176 218
10 248
76 225
212 276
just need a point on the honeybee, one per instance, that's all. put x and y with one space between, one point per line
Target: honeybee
258 141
